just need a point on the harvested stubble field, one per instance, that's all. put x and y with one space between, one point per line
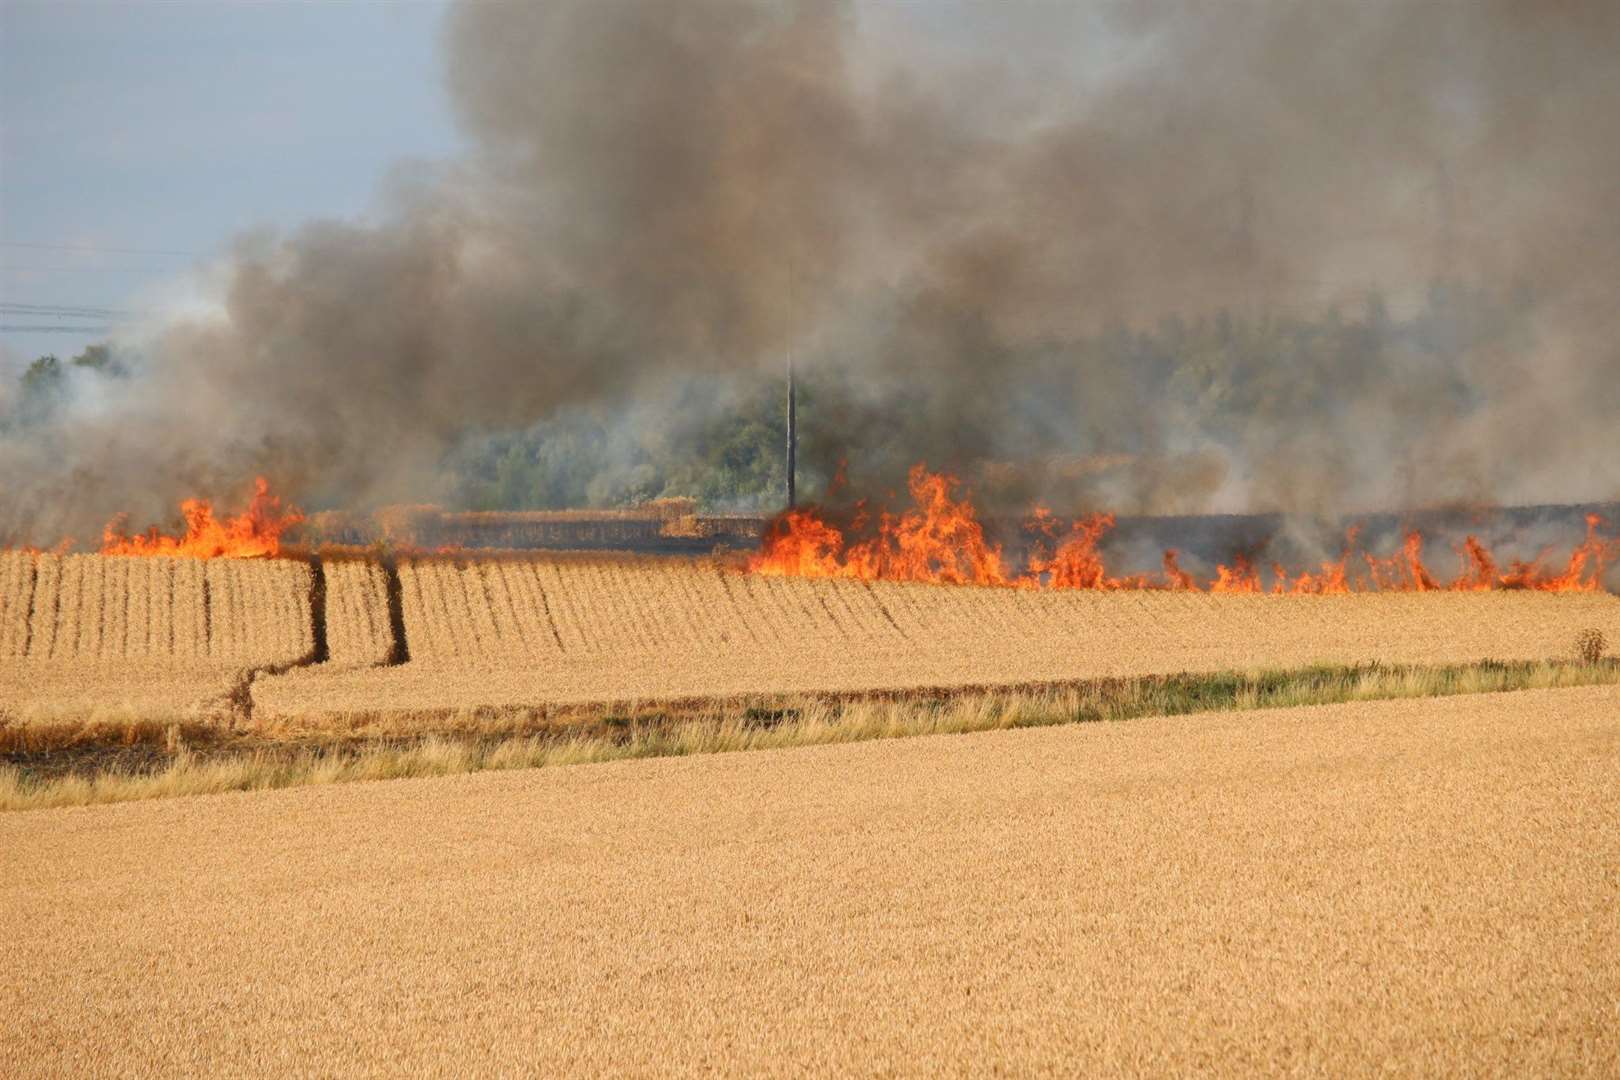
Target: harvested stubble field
88 636
520 635
1411 888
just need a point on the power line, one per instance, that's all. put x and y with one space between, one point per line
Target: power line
89 249
18 329
87 269
63 311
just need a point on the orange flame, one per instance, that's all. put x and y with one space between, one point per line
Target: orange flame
1241 577
1404 571
1077 564
1333 579
253 533
1179 578
939 540
942 540
1479 569
1582 573
800 544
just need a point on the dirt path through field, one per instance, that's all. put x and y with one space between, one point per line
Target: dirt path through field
1427 886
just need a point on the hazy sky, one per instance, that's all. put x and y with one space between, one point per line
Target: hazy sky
151 132
170 125
908 191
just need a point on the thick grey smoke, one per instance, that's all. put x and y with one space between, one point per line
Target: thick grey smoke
957 215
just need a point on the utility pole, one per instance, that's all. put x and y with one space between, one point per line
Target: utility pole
792 434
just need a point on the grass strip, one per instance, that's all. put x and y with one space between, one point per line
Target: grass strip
179 768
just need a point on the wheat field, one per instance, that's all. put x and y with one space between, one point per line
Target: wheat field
565 630
358 633
92 634
1410 888
516 635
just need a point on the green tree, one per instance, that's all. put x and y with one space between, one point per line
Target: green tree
41 387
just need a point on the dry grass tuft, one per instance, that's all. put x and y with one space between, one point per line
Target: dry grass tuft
1590 645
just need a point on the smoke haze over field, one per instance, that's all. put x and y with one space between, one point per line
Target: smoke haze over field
959 219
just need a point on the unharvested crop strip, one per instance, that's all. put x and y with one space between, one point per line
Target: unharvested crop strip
446 630
124 605
56 605
482 622
731 600
165 605
854 621
545 606
510 612
418 617
833 619
500 613
884 608
683 608
240 695
33 594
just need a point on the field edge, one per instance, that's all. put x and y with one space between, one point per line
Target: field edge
151 760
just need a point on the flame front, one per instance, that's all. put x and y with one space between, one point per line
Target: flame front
942 540
256 532
939 540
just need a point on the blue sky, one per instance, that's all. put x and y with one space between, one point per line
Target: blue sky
160 126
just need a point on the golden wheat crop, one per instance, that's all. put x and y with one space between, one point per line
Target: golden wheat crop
54 702
359 633
16 601
562 630
1412 887
535 610
259 611
89 634
357 627
529 633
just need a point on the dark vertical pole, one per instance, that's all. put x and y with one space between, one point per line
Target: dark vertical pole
792 437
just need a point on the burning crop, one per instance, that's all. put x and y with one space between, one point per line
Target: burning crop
941 539
253 533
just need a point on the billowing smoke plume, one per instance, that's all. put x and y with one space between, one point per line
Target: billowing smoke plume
969 224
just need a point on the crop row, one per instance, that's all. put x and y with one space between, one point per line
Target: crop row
96 633
526 633
563 630
95 608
